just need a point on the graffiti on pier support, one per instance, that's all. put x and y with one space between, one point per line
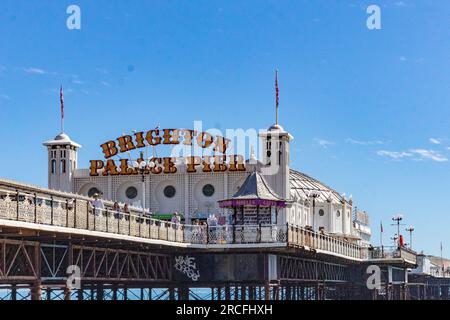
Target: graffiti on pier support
187 266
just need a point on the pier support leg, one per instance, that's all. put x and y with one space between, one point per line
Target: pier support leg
100 292
267 292
80 293
36 291
227 293
13 292
67 293
114 293
171 294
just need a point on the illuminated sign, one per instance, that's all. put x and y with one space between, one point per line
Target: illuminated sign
126 143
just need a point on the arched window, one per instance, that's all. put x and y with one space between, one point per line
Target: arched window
63 166
53 166
321 212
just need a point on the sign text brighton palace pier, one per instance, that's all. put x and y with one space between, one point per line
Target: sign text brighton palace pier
186 137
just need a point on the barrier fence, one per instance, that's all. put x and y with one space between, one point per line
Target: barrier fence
74 211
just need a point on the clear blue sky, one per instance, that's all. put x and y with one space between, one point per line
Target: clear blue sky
369 109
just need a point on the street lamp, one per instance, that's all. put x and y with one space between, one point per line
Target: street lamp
394 238
397 218
142 167
314 194
410 229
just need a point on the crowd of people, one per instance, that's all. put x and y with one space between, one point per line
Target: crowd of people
98 208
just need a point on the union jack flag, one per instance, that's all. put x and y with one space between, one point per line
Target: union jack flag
61 99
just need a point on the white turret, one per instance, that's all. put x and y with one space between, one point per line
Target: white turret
62 162
276 159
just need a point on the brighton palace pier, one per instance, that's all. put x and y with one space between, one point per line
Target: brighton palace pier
277 234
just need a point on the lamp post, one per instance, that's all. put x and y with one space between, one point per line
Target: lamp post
394 238
410 229
142 167
397 218
314 194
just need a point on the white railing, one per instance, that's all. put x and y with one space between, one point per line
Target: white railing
389 252
247 234
303 237
49 207
80 214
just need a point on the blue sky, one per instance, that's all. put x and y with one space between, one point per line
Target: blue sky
369 109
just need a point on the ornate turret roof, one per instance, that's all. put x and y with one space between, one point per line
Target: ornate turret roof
254 191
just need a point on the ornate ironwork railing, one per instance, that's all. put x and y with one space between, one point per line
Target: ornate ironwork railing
242 234
389 252
299 236
73 211
49 207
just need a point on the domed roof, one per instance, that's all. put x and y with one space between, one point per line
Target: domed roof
62 136
302 185
275 127
61 139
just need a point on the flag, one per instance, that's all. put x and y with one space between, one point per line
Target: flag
276 88
381 227
61 99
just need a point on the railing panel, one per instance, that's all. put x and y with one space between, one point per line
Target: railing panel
77 212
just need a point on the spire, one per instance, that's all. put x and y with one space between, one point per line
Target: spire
61 100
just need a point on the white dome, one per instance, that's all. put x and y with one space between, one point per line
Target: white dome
276 127
61 139
62 136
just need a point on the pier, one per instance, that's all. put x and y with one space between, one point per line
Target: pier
46 233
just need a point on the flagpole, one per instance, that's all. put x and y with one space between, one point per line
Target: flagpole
381 237
276 96
61 100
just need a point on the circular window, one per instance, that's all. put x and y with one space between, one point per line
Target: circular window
321 212
131 192
338 213
208 190
93 191
169 191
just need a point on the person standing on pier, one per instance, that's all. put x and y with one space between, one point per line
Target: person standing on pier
97 203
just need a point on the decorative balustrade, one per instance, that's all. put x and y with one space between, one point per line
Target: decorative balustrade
247 234
48 207
299 236
389 252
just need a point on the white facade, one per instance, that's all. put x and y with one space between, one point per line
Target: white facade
196 194
62 162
